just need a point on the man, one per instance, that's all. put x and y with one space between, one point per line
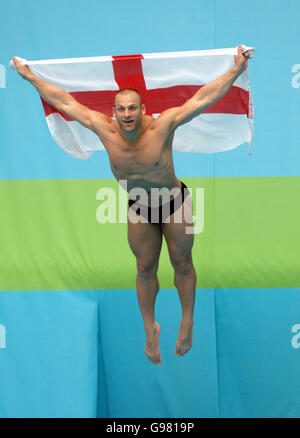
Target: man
140 152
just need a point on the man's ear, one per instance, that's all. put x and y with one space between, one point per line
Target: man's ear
114 111
143 108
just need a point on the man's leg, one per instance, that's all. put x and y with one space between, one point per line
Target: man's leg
145 242
180 251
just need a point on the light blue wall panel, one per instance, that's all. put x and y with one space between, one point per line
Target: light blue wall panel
81 354
258 352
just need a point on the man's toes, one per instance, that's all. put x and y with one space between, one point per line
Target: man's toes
180 351
156 360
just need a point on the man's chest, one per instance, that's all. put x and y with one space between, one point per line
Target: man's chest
143 156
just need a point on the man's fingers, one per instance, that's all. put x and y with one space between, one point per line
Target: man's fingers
16 61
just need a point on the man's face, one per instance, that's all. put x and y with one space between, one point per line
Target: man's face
128 111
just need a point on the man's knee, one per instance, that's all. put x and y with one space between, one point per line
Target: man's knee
147 267
183 265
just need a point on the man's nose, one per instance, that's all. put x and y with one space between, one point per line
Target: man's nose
127 113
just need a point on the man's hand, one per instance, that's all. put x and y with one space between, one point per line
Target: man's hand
23 70
241 59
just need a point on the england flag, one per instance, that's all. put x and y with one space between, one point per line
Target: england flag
164 80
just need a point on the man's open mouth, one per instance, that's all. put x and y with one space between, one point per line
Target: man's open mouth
128 121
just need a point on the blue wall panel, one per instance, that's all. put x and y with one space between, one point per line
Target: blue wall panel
81 354
258 352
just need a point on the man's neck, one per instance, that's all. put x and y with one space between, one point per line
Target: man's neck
132 136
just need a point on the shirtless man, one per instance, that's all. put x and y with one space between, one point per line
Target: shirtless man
140 152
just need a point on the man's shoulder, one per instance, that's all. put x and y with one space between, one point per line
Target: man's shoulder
147 122
165 119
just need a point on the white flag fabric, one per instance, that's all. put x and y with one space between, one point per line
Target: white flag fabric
164 80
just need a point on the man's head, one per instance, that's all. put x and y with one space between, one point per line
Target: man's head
128 109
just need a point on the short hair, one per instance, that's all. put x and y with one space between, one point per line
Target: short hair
124 90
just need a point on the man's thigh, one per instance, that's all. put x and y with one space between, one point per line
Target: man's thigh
144 239
178 232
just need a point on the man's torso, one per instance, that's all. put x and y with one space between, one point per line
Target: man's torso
144 163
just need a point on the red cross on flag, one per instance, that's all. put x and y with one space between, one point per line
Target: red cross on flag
164 80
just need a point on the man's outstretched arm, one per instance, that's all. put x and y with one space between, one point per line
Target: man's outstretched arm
63 101
207 95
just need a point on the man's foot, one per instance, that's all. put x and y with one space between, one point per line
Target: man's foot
185 338
152 344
